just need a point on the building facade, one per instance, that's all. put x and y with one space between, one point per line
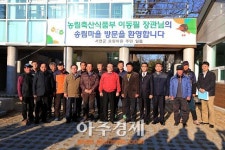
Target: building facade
94 30
211 34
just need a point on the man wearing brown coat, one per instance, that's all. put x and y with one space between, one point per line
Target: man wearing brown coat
72 93
89 82
130 92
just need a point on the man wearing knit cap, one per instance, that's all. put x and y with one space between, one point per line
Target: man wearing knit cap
180 93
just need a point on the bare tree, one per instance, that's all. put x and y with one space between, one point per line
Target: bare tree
167 8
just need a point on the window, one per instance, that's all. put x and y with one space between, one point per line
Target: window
77 0
3 31
56 11
2 11
36 31
113 57
37 11
17 31
17 1
116 10
78 10
17 11
220 54
99 10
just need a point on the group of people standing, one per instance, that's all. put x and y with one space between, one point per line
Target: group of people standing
80 90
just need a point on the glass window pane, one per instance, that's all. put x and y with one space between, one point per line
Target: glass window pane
56 11
37 11
17 31
2 31
17 11
222 75
116 10
77 0
2 11
38 1
78 10
17 1
99 10
127 11
36 31
61 1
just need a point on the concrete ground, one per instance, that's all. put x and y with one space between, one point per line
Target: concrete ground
92 136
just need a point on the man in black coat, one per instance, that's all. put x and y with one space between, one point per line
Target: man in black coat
43 88
24 89
207 83
146 92
191 103
160 93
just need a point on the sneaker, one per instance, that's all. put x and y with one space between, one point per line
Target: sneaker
196 122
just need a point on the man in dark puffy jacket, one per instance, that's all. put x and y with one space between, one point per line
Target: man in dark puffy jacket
43 88
89 82
160 93
24 89
191 103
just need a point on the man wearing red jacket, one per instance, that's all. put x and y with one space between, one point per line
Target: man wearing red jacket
109 88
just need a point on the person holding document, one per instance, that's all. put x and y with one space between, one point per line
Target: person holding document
206 85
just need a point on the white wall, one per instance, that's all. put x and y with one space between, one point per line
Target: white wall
213 27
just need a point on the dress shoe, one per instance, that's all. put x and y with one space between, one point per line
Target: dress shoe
154 122
176 124
211 126
56 119
147 122
184 125
162 123
203 123
128 120
112 122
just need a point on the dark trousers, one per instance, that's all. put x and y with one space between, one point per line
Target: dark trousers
144 106
99 100
131 104
191 105
88 104
57 104
180 105
158 108
28 106
51 98
41 105
108 97
117 104
79 106
71 109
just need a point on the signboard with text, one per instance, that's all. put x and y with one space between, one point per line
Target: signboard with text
118 32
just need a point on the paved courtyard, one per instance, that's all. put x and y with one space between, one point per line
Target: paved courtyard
90 136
